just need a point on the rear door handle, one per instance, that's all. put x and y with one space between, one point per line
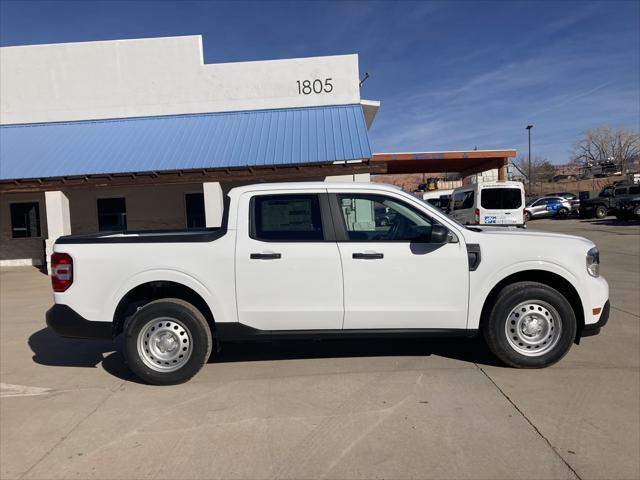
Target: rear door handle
367 256
265 256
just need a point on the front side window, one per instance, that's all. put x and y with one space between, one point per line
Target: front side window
194 203
621 191
112 214
376 218
501 198
634 190
286 218
25 220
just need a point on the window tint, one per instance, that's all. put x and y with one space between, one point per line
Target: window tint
463 200
112 214
634 190
194 203
501 198
621 191
287 218
376 218
25 220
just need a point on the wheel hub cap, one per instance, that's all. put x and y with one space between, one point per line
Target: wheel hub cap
533 328
167 343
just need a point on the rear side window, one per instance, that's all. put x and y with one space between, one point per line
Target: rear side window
463 200
621 191
501 198
284 218
634 190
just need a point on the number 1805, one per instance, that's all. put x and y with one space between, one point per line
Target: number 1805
307 87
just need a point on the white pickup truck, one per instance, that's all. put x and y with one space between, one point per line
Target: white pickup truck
316 260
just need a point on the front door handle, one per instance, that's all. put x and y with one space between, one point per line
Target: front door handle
265 256
367 256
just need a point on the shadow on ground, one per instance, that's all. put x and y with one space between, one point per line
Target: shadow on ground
51 350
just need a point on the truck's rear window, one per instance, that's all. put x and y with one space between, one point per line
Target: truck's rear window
501 198
287 218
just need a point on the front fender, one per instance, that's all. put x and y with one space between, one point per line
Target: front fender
481 287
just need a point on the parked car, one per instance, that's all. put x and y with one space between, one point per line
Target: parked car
572 197
547 207
488 203
606 203
307 260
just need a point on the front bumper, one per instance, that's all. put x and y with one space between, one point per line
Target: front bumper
66 322
594 328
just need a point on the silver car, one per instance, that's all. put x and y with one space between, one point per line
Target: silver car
547 207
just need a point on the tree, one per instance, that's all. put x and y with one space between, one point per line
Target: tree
542 170
621 146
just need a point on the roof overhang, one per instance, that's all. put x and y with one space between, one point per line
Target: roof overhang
258 174
463 162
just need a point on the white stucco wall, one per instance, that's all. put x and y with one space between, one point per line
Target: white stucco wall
157 76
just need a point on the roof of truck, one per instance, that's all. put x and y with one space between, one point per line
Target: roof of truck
335 185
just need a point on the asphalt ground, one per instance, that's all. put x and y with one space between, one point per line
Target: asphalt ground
339 409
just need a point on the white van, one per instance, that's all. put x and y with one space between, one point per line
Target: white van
488 203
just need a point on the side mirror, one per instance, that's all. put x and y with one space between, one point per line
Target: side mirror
439 234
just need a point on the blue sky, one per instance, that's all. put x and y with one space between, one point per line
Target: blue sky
450 75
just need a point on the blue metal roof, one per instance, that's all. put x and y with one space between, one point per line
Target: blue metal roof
182 142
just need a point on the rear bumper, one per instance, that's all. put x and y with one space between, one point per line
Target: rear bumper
66 322
594 328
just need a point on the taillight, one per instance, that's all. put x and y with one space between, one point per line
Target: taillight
477 213
524 216
61 272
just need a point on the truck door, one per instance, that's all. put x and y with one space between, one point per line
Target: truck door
393 276
288 271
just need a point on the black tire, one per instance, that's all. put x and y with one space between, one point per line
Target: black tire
501 318
563 212
527 216
636 211
601 211
190 327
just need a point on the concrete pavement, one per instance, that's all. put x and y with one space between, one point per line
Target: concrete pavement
345 409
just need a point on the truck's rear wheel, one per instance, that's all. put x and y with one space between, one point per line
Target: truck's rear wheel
531 325
601 211
167 342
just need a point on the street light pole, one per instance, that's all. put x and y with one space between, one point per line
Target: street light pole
529 127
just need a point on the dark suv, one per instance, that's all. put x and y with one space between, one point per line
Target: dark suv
607 202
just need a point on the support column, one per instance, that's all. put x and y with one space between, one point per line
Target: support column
58 220
502 170
213 204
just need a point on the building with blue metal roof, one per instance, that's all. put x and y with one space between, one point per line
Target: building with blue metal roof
141 134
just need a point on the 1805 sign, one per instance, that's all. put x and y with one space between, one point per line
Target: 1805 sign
317 86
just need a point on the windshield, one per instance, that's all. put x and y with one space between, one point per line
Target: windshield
501 198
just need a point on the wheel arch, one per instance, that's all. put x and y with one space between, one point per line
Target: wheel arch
147 292
553 280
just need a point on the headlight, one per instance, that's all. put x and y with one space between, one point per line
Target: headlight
593 262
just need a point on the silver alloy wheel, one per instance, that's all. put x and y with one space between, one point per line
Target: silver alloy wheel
164 344
533 328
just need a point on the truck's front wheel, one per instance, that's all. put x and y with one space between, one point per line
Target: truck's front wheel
531 325
167 342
